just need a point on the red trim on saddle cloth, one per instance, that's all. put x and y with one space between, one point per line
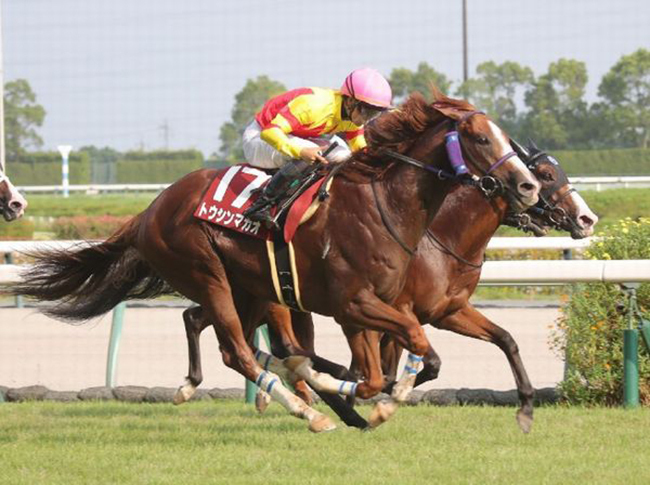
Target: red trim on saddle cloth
229 195
298 208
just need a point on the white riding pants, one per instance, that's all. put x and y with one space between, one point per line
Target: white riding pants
260 154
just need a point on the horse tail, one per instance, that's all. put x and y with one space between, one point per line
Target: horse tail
90 280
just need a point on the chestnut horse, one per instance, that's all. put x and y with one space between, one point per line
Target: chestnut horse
352 261
451 270
12 204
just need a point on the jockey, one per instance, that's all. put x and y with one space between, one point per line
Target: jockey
291 130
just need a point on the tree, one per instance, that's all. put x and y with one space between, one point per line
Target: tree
626 92
22 116
495 89
558 114
403 81
247 102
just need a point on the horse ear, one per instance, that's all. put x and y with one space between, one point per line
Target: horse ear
532 145
520 150
448 111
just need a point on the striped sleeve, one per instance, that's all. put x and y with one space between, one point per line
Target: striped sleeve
275 134
356 139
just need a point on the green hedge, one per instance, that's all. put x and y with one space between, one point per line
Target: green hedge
44 168
622 161
158 166
590 331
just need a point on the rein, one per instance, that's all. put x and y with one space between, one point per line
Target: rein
387 223
447 250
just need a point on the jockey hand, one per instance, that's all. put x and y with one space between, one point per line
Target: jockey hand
312 154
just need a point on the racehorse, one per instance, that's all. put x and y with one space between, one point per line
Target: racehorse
352 255
442 276
12 203
452 264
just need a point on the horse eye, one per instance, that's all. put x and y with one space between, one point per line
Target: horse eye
483 140
548 176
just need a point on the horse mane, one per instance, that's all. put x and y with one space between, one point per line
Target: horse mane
400 127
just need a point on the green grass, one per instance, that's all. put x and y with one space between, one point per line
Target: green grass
226 442
609 205
88 205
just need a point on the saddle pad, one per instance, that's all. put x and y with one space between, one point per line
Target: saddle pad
298 209
231 192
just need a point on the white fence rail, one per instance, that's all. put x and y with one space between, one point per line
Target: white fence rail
495 243
516 272
494 272
580 183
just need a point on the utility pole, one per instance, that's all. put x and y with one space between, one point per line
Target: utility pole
465 64
165 129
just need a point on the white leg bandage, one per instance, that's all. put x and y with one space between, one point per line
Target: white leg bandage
319 380
271 383
406 382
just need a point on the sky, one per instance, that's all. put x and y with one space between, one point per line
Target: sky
151 74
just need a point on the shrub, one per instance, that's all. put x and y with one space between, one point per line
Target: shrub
157 166
17 230
617 161
84 227
44 168
590 331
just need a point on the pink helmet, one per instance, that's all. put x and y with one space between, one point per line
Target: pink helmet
369 86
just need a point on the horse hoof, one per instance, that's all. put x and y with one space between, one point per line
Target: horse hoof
183 394
262 401
321 423
525 421
381 413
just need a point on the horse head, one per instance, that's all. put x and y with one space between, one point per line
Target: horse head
12 204
560 206
418 129
488 153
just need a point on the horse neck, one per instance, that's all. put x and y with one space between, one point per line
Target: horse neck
467 221
412 197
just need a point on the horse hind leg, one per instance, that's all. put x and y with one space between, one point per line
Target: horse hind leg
195 323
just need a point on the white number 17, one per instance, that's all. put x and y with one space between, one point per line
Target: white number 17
240 200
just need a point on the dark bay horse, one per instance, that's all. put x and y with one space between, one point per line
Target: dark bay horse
12 204
450 263
352 266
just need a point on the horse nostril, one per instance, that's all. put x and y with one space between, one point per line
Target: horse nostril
15 205
526 187
586 221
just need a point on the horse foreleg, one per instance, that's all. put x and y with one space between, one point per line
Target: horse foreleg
219 308
194 325
469 321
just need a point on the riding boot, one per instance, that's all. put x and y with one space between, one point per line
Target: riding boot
282 180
